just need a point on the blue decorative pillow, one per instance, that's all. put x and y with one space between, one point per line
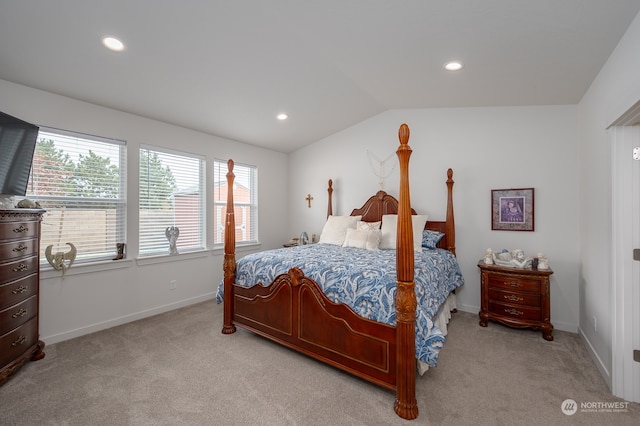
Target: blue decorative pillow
430 239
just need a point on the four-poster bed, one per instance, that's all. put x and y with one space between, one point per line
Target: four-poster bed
292 308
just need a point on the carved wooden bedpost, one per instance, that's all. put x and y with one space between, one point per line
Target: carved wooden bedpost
405 405
450 221
229 255
329 204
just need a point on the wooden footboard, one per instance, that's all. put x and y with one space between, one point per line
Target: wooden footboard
293 311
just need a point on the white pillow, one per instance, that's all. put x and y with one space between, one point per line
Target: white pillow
390 228
362 239
335 229
366 226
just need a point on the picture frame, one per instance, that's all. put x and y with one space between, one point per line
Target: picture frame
512 209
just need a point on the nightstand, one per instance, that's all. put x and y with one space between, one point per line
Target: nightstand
516 297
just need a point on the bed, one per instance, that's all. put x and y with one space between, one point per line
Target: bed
322 314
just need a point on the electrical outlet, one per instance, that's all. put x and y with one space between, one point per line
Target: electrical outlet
172 285
595 323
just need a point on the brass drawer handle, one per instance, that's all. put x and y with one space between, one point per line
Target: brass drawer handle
21 289
21 267
20 340
20 229
513 298
513 283
20 313
513 311
20 248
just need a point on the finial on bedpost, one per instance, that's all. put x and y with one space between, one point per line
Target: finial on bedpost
229 254
403 134
329 204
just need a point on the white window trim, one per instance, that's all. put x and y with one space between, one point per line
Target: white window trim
249 245
46 270
164 257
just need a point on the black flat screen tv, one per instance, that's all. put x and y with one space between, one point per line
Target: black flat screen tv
17 144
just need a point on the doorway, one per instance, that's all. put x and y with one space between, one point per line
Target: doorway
625 136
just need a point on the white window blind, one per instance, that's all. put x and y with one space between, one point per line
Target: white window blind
80 181
245 196
171 195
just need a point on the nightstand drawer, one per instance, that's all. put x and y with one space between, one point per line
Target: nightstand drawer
513 297
514 311
17 291
514 283
16 342
17 315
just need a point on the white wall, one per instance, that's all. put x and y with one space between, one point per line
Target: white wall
613 92
100 296
488 148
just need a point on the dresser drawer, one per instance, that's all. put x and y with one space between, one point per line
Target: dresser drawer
514 283
513 297
17 291
16 315
19 230
519 312
17 341
17 249
16 269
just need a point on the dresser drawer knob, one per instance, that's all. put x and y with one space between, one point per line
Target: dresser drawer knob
21 267
513 298
20 248
20 229
21 289
513 311
513 283
20 340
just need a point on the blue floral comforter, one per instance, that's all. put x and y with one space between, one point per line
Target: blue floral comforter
366 281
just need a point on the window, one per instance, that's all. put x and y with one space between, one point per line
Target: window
80 181
245 197
171 188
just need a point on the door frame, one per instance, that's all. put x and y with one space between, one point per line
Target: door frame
625 135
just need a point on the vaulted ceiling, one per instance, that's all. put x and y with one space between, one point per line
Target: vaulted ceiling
229 67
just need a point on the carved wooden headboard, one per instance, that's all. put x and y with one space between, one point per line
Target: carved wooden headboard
382 203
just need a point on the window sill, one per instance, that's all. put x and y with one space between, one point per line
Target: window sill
108 265
239 249
86 268
153 260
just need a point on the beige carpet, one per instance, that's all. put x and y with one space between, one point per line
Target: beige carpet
178 369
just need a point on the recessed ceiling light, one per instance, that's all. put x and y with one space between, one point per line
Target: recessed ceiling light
113 43
282 116
453 66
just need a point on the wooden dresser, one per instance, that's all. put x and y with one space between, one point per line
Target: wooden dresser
516 297
19 288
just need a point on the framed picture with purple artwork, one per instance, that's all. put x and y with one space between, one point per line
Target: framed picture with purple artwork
512 209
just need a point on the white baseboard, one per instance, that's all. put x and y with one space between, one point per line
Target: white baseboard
606 375
67 335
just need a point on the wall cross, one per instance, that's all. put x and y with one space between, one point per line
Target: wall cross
309 198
